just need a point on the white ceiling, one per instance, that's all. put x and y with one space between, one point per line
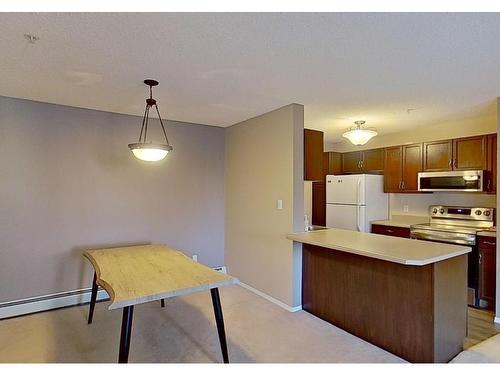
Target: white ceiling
222 68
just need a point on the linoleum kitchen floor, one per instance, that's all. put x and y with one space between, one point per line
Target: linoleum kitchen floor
184 331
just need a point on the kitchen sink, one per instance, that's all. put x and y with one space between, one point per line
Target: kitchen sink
313 228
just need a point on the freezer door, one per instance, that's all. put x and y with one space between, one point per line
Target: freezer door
346 189
346 217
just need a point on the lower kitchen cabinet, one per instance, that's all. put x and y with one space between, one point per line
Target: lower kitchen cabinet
487 271
389 230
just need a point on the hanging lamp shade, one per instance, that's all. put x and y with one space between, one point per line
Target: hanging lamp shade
358 135
149 151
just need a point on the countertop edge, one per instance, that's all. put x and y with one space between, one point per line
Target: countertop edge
407 262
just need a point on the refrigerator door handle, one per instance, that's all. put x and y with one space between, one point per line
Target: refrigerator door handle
357 218
358 188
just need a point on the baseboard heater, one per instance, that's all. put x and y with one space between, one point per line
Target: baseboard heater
48 302
55 301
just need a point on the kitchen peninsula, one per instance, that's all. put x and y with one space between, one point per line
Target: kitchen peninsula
406 296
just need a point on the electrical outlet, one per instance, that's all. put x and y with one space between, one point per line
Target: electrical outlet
195 257
405 208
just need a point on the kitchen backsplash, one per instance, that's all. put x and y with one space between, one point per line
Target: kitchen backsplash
418 204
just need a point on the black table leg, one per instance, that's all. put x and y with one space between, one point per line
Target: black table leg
219 319
93 298
162 302
128 312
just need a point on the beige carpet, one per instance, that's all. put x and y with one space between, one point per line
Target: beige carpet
184 331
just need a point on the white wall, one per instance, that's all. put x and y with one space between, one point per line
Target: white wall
69 182
264 163
418 204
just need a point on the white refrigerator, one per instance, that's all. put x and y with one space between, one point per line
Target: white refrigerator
353 201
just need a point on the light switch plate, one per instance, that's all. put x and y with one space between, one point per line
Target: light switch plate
279 204
405 208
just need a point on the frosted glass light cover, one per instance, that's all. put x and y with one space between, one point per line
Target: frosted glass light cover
150 154
359 136
150 151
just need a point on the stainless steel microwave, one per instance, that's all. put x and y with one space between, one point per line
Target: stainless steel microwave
451 181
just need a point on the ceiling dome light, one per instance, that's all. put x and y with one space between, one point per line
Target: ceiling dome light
149 151
359 136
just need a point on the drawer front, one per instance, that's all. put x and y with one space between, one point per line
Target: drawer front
487 242
391 231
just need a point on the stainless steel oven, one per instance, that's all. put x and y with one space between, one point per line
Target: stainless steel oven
451 181
458 225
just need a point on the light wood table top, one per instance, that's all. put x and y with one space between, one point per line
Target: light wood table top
138 274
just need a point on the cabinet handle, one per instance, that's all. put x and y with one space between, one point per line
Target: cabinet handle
389 230
489 243
402 185
454 163
489 184
450 162
480 258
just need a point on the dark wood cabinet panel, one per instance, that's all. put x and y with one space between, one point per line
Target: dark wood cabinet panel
492 164
334 163
487 271
389 230
438 156
372 160
319 203
470 153
313 155
351 162
412 164
393 159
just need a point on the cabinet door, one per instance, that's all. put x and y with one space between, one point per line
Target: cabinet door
334 163
491 184
438 156
319 203
389 230
392 169
313 155
412 164
487 270
351 162
470 153
373 160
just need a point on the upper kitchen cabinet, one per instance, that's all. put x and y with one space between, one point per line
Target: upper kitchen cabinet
313 155
438 156
492 163
401 167
393 169
368 161
470 153
334 162
351 162
456 154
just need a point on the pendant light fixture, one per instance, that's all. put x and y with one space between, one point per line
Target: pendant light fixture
358 135
149 151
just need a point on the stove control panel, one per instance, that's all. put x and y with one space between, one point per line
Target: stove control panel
464 213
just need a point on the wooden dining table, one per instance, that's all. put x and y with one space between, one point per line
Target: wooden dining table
139 274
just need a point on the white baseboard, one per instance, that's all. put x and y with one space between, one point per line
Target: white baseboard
497 320
48 302
271 299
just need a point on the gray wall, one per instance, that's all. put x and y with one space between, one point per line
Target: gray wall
69 182
264 163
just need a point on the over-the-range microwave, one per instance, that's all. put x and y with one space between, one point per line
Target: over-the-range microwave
451 181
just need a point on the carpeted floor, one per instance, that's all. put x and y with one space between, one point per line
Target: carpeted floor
184 331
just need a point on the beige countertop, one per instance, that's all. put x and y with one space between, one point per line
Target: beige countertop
403 221
487 233
392 249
